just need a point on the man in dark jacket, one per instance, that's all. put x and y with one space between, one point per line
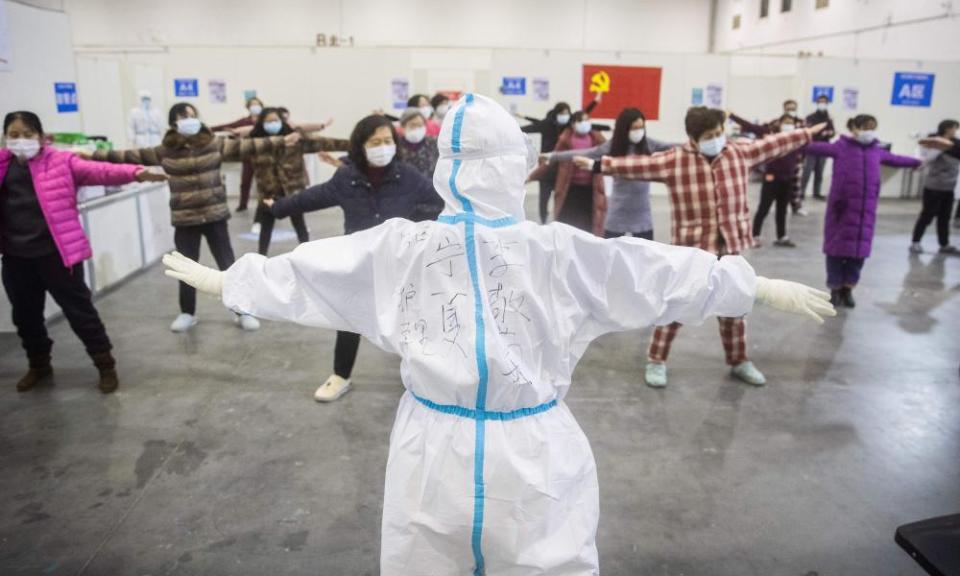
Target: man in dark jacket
815 164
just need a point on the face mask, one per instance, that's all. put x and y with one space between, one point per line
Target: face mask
426 111
24 148
636 136
713 147
562 119
787 127
273 128
442 110
866 136
791 111
255 110
582 127
380 156
415 135
822 106
188 126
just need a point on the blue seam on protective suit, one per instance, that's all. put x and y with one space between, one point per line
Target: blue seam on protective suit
463 412
472 217
481 352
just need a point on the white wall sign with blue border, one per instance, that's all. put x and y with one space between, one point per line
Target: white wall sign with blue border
186 87
513 86
912 89
66 94
819 91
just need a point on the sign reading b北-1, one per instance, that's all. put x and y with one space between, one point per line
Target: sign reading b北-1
621 87
912 89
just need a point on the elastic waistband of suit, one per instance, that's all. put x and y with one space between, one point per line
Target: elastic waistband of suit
474 414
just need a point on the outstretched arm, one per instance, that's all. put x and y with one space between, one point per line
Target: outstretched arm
93 173
313 198
898 161
141 156
749 127
657 167
777 145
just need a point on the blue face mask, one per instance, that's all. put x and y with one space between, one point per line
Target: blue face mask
273 128
188 126
714 146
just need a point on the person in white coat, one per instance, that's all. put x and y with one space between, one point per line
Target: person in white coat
489 472
146 126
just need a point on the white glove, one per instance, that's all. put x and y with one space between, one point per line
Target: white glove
204 279
795 298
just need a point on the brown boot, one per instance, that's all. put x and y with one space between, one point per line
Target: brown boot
40 368
109 381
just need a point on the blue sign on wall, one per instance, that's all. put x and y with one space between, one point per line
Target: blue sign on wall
912 89
513 86
186 87
66 94
819 91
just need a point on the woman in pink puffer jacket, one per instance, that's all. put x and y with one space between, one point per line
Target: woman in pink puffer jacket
44 245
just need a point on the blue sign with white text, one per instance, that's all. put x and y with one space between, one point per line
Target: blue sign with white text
66 94
513 86
186 87
912 89
819 91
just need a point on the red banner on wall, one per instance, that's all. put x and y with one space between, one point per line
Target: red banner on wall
622 87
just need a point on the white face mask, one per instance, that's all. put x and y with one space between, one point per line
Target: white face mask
866 136
787 127
188 126
426 111
562 119
822 106
582 127
442 110
380 156
273 128
255 110
714 146
415 135
636 135
24 148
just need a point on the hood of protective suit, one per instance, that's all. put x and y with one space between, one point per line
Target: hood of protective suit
484 160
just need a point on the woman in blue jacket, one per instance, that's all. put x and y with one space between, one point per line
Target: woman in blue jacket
371 186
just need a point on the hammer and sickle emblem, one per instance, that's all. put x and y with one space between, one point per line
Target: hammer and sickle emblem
600 82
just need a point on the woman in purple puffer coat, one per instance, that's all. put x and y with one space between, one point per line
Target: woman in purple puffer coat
852 206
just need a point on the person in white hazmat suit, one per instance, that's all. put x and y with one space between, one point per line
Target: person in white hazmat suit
145 127
488 471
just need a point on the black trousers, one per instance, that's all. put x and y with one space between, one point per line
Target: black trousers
647 235
936 204
187 240
577 209
345 353
813 164
546 189
267 220
27 281
773 191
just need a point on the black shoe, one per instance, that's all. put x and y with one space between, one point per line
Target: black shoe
819 197
835 298
105 363
34 376
846 298
241 209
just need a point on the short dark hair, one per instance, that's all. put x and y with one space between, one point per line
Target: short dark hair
412 101
824 97
945 125
361 133
29 118
861 120
180 109
260 132
789 117
557 108
251 99
620 142
701 120
790 101
438 99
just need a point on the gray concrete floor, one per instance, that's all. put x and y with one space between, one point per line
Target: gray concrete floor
213 458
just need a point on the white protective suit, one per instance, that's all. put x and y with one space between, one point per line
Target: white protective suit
488 471
145 127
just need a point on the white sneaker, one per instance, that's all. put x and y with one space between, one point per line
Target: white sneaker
248 322
332 389
183 323
255 229
916 248
656 375
801 212
748 373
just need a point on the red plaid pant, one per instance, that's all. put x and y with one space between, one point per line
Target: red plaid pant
733 334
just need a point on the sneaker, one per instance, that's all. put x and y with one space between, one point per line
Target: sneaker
241 209
800 212
785 242
846 298
255 229
949 249
655 375
748 373
819 197
757 243
835 299
916 248
332 389
35 375
183 323
248 322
